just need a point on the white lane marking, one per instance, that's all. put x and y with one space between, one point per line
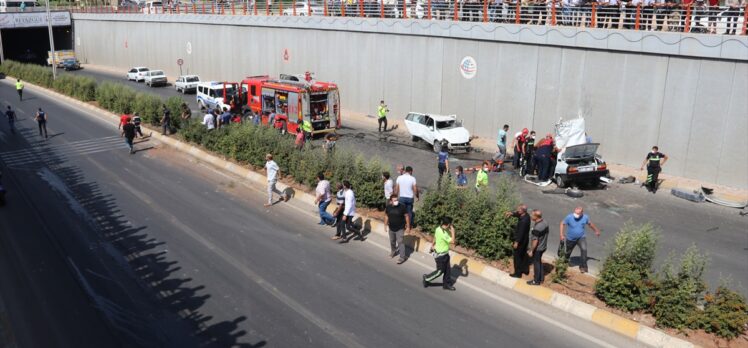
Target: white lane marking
325 326
506 302
34 151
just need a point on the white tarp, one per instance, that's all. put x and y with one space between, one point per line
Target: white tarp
570 133
33 19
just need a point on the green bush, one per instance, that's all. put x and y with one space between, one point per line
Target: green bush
247 143
725 313
478 216
561 266
677 294
149 107
625 280
174 104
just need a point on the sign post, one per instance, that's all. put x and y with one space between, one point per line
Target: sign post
180 62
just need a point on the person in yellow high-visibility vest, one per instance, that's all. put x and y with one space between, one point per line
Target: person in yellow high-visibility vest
306 127
19 89
382 111
481 178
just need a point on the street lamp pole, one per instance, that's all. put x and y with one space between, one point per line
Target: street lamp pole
51 43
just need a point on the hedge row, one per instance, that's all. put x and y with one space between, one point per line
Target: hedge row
248 144
478 217
79 87
122 99
676 296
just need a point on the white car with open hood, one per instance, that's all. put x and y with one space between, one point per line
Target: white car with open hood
438 130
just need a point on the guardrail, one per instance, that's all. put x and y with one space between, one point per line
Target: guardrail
695 17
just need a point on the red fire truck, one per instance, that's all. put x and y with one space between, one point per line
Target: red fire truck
291 100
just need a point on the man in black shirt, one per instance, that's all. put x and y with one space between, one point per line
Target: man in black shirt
166 121
11 119
396 222
538 246
128 131
520 240
654 161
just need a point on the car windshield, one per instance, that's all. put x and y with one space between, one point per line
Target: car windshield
143 69
157 73
446 124
192 79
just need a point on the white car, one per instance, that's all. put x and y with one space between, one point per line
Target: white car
579 164
155 78
137 73
302 9
186 83
438 130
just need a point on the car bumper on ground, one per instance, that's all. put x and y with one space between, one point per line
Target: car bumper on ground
592 176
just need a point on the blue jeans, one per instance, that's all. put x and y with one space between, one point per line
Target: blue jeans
408 203
323 214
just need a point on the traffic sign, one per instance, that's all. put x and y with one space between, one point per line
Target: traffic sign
180 61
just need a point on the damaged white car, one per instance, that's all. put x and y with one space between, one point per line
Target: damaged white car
438 131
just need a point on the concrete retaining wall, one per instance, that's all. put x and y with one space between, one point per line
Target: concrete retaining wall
691 101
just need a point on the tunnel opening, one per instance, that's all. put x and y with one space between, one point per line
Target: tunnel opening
31 45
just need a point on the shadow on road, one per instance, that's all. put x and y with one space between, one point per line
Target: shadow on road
123 268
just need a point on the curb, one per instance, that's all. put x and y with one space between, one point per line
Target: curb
611 321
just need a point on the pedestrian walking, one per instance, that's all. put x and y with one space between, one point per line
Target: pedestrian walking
382 111
123 120
41 120
575 235
349 210
442 159
407 190
389 186
19 88
338 213
440 251
11 115
166 121
462 179
538 245
501 144
481 178
520 240
136 121
273 172
654 161
396 223
324 197
128 131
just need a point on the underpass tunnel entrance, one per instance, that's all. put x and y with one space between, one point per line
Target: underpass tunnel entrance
31 45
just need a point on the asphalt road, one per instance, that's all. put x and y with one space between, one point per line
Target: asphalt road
717 231
174 253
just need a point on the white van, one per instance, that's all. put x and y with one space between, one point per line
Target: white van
15 5
212 94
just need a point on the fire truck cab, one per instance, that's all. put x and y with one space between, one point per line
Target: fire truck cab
291 100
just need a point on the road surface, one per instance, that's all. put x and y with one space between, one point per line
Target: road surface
174 253
717 231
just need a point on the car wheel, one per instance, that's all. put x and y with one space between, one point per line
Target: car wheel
560 182
415 138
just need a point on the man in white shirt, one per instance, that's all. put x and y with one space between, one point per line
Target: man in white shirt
407 191
324 197
389 186
273 172
349 211
209 122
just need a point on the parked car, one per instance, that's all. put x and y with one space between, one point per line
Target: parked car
302 9
137 73
186 83
155 78
210 94
70 64
438 130
579 164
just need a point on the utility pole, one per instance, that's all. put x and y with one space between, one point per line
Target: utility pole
51 43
